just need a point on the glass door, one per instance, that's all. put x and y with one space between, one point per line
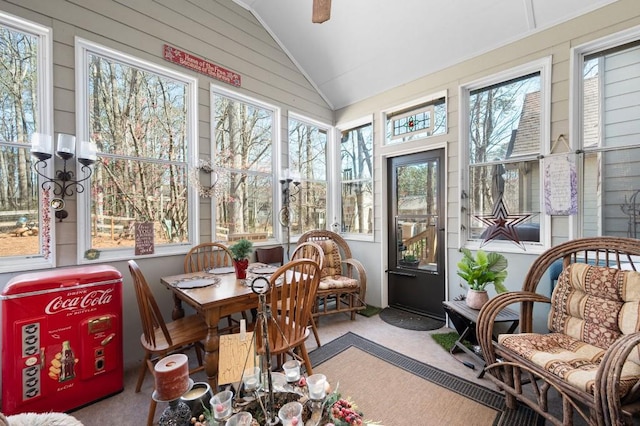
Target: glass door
416 228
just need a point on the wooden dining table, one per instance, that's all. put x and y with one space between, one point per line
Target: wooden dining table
213 295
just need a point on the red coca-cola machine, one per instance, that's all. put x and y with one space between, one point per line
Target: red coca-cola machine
61 339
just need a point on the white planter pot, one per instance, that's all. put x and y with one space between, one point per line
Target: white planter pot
476 298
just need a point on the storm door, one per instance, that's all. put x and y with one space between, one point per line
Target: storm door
416 231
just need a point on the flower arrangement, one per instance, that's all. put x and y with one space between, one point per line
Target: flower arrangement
343 412
338 412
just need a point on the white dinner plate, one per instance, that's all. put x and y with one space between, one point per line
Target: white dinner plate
221 270
264 270
201 282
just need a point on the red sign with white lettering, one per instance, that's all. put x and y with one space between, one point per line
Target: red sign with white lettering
200 65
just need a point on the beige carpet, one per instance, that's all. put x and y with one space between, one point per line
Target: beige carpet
392 389
391 396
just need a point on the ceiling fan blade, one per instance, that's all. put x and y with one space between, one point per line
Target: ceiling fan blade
321 11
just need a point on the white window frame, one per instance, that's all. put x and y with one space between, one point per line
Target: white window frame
45 126
411 108
276 157
330 138
83 48
575 105
543 66
336 184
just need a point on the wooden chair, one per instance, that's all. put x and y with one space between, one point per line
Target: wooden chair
343 282
159 338
270 255
293 289
309 250
590 355
207 256
314 252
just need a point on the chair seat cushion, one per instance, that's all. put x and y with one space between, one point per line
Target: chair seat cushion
337 281
569 359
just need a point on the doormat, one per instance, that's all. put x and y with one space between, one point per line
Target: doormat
409 320
369 311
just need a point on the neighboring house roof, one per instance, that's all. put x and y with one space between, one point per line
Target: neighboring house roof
527 137
525 140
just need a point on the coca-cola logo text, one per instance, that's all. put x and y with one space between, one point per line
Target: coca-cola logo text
89 300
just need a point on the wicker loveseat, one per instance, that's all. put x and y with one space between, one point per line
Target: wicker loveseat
591 355
343 281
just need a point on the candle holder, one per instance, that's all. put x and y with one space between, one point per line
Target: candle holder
221 405
316 384
64 181
292 370
177 413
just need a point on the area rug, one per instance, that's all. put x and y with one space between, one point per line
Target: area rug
409 320
393 389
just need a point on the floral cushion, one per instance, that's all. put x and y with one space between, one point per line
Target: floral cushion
332 259
337 281
592 307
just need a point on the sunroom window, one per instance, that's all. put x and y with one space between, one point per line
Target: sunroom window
356 173
609 77
308 161
503 140
26 220
243 134
421 120
141 117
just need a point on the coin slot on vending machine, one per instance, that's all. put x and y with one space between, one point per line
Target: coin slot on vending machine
100 333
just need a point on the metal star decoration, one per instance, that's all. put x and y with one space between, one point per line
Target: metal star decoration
501 223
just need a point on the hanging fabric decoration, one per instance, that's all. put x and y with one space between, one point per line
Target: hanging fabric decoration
502 224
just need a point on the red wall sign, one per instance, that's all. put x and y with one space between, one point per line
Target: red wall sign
200 65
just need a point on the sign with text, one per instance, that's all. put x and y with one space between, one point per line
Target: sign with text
200 65
144 238
560 185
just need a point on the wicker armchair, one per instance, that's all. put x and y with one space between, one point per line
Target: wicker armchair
591 354
343 282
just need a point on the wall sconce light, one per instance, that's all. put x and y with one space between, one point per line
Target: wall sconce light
63 182
285 212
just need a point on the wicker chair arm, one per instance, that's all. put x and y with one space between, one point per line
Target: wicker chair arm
607 386
354 264
489 312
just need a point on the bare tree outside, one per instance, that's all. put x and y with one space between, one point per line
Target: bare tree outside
138 121
308 156
243 160
356 155
504 140
19 192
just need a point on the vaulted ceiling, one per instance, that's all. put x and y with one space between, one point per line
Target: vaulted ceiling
369 46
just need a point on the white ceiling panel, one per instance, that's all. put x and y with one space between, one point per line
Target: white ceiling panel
369 46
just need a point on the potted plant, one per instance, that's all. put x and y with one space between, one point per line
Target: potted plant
410 260
240 252
480 271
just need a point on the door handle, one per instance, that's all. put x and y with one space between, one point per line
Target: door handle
402 274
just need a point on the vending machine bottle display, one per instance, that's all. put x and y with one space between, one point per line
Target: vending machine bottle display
61 339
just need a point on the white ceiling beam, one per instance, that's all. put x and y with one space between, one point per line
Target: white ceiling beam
531 17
